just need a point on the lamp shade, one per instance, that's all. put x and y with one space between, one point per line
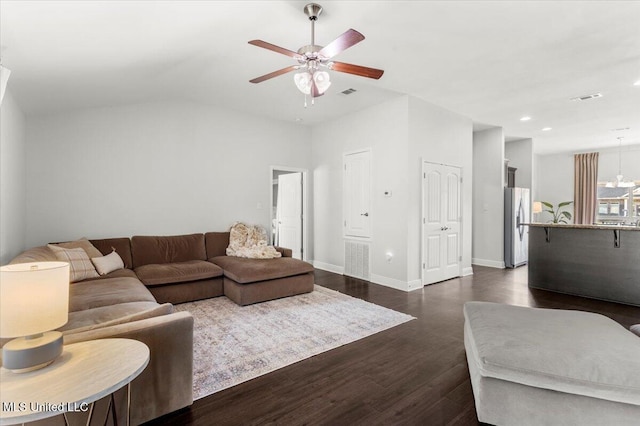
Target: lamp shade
320 78
303 82
34 298
537 207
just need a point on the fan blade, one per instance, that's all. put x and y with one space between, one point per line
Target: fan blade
275 48
356 70
274 74
343 42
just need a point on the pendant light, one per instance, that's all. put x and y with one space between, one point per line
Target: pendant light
620 182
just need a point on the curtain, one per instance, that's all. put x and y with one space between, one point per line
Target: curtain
585 188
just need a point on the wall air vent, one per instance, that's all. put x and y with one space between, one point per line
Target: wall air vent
348 91
587 97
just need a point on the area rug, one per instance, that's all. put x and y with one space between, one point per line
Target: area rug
233 344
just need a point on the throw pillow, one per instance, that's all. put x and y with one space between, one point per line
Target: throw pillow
80 266
109 263
635 329
82 243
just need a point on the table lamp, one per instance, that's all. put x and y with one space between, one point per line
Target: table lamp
537 208
34 299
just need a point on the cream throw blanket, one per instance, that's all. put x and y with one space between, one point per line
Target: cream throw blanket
250 241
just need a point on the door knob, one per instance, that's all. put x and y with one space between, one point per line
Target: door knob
364 214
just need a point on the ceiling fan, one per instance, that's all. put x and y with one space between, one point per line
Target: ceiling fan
313 59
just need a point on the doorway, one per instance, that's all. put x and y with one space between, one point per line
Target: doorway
288 209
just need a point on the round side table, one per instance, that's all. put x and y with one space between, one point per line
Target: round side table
83 374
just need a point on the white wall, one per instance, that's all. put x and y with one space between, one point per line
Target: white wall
158 168
12 179
438 136
555 172
520 155
383 128
488 198
400 133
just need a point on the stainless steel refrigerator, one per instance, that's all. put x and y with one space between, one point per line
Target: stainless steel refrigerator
516 234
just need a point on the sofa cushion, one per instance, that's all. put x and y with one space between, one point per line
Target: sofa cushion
105 316
109 263
35 254
156 250
106 292
80 266
120 273
245 271
555 349
169 273
216 243
82 243
121 245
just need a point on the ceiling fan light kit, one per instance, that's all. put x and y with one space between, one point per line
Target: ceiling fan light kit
312 59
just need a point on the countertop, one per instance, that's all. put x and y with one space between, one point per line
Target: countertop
574 226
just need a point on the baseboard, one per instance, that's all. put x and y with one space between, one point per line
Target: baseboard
328 267
489 263
414 285
467 271
376 279
389 282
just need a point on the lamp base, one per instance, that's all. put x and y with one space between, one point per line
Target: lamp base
33 352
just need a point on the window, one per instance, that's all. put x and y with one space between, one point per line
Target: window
615 204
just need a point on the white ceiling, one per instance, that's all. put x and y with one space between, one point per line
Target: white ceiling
493 61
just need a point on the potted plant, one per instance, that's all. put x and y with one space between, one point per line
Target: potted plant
559 215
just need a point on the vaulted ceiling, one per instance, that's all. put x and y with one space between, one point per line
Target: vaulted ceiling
493 61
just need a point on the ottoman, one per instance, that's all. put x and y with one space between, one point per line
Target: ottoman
532 366
248 281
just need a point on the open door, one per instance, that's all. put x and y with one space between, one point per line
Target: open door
289 213
288 230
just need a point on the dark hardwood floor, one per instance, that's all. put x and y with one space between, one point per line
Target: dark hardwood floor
413 374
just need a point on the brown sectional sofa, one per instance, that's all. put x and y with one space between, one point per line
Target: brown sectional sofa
136 302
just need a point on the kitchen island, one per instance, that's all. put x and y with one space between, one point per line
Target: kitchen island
596 261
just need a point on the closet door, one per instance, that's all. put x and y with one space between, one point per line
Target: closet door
357 194
441 222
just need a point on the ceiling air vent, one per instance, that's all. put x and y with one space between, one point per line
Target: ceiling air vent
587 97
348 91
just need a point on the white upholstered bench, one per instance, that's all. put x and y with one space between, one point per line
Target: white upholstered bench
533 366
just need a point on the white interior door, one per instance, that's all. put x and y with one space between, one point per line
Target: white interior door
289 213
441 222
357 194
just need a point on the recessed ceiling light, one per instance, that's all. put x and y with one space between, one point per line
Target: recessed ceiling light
299 120
637 83
525 118
546 129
